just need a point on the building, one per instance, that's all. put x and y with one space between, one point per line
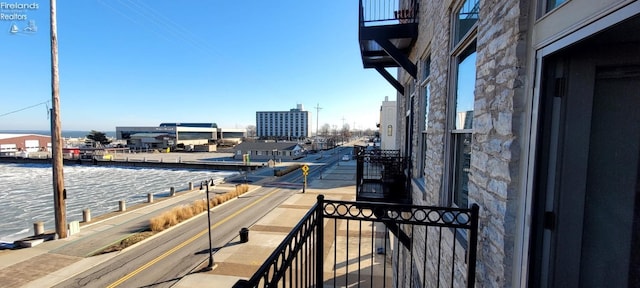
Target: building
388 121
11 144
265 151
287 125
231 136
525 108
168 135
202 136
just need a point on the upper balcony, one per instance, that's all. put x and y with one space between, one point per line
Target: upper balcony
380 176
388 29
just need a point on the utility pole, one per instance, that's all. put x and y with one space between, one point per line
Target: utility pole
59 193
343 131
317 117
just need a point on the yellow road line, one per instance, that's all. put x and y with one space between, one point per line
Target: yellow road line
176 248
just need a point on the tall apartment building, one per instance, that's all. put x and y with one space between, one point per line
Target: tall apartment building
286 125
527 109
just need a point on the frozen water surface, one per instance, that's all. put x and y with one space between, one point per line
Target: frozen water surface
26 192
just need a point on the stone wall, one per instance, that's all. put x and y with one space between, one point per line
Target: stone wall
494 176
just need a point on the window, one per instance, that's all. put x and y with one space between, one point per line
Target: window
552 4
410 91
466 18
426 96
463 124
390 130
463 96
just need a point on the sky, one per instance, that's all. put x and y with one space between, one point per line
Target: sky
144 62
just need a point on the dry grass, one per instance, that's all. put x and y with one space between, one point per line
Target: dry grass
174 216
133 239
184 212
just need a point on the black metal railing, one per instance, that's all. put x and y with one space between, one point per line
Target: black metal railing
380 176
295 260
388 12
354 247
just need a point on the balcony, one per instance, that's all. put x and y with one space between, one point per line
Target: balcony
350 244
387 31
380 176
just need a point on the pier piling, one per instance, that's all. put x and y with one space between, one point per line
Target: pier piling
38 228
86 215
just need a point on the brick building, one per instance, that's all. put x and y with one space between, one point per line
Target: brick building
12 143
525 108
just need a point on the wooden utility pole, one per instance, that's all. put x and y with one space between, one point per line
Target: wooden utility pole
59 196
317 117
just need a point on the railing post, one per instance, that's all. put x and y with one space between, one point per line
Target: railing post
473 246
320 242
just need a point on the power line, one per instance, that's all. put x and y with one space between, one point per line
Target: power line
143 15
25 108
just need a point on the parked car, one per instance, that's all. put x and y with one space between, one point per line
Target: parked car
346 157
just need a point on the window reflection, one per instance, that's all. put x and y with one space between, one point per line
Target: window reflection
466 84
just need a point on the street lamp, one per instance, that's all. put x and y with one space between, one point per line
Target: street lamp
210 266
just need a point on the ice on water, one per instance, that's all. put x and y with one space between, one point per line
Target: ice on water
26 192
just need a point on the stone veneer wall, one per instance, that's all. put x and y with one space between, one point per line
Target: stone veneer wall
498 128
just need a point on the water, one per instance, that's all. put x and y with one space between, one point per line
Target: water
65 133
26 192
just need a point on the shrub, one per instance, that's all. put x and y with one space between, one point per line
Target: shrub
170 218
286 170
198 206
184 212
156 224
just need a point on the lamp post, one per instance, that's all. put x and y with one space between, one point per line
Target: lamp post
210 266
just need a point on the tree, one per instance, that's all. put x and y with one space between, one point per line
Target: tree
98 137
251 131
346 131
324 130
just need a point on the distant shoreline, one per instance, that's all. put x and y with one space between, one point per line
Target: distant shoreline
65 133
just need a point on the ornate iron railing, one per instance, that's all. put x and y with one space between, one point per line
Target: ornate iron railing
355 247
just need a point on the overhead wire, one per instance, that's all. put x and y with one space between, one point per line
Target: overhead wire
179 30
132 19
25 108
151 19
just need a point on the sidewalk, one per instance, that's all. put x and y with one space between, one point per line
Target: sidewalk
54 261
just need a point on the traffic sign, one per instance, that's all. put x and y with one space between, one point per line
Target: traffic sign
305 168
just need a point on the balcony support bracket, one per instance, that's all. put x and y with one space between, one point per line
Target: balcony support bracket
392 80
399 233
398 56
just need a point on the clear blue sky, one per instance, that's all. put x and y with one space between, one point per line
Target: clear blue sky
143 62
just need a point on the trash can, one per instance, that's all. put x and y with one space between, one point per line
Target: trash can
244 235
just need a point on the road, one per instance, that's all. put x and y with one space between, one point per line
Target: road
165 259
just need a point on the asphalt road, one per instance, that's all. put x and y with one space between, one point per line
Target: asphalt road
163 260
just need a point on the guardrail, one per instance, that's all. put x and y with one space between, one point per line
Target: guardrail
351 244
